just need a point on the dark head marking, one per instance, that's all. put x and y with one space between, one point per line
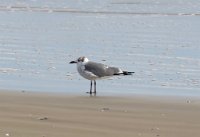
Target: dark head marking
81 59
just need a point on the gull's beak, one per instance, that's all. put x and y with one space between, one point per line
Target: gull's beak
72 62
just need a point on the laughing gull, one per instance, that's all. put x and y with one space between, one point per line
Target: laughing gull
94 71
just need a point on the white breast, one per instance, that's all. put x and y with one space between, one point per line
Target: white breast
86 74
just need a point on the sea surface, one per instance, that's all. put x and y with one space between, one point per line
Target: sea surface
157 39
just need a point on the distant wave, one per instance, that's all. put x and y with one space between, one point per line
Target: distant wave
49 9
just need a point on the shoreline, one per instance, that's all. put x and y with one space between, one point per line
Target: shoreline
154 94
41 114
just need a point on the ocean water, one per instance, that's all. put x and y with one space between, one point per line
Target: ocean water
159 40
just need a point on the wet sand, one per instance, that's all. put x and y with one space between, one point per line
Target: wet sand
28 114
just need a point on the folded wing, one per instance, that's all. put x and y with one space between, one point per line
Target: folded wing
101 70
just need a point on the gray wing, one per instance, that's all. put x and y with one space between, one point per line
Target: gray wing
101 70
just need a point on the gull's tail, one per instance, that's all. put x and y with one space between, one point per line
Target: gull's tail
125 73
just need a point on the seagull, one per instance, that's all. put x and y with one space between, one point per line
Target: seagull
93 71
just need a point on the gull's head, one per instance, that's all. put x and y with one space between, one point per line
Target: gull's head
80 60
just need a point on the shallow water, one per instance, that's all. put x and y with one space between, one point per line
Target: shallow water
159 40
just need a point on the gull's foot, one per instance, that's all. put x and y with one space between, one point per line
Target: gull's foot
91 93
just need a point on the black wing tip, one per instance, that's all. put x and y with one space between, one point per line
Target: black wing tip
127 73
124 73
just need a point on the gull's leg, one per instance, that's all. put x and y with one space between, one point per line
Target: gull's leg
91 87
95 87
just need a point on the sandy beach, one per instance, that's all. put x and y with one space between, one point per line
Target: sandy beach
29 114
